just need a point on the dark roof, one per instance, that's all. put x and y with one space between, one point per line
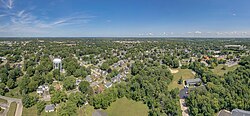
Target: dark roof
238 112
196 80
50 107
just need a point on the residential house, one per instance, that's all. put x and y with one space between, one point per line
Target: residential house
190 82
108 85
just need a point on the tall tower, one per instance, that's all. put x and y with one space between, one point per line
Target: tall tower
57 64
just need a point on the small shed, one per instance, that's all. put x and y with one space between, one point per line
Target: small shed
50 108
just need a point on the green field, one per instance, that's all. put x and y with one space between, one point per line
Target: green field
12 109
126 107
185 74
218 70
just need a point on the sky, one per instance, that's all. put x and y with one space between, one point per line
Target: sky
124 18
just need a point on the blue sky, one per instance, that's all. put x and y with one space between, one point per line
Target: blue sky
170 18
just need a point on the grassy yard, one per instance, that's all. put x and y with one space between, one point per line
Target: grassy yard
126 107
3 101
86 111
218 70
48 113
32 111
184 73
14 93
12 109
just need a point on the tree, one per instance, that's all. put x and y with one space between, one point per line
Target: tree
67 109
85 88
40 107
32 86
180 80
56 74
80 72
29 101
2 88
69 83
58 97
78 98
30 71
175 63
104 66
23 85
10 83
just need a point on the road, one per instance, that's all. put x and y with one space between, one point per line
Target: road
19 108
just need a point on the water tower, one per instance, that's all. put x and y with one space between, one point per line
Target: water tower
57 64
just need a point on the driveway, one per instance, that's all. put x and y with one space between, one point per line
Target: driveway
183 94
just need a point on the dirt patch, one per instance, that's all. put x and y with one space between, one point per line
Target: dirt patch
173 70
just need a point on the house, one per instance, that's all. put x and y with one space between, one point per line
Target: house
195 81
42 89
50 108
108 85
93 84
88 78
114 79
238 112
78 81
39 91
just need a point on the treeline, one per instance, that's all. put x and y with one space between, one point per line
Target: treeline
227 92
149 84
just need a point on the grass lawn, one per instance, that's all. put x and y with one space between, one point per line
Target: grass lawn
12 109
86 110
185 74
126 107
32 111
48 113
14 93
218 70
3 101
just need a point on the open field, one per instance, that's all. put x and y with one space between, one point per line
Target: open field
32 111
184 73
126 107
12 109
218 70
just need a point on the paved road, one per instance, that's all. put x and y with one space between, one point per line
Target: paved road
19 108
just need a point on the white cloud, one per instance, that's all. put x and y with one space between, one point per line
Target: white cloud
7 3
23 22
197 32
